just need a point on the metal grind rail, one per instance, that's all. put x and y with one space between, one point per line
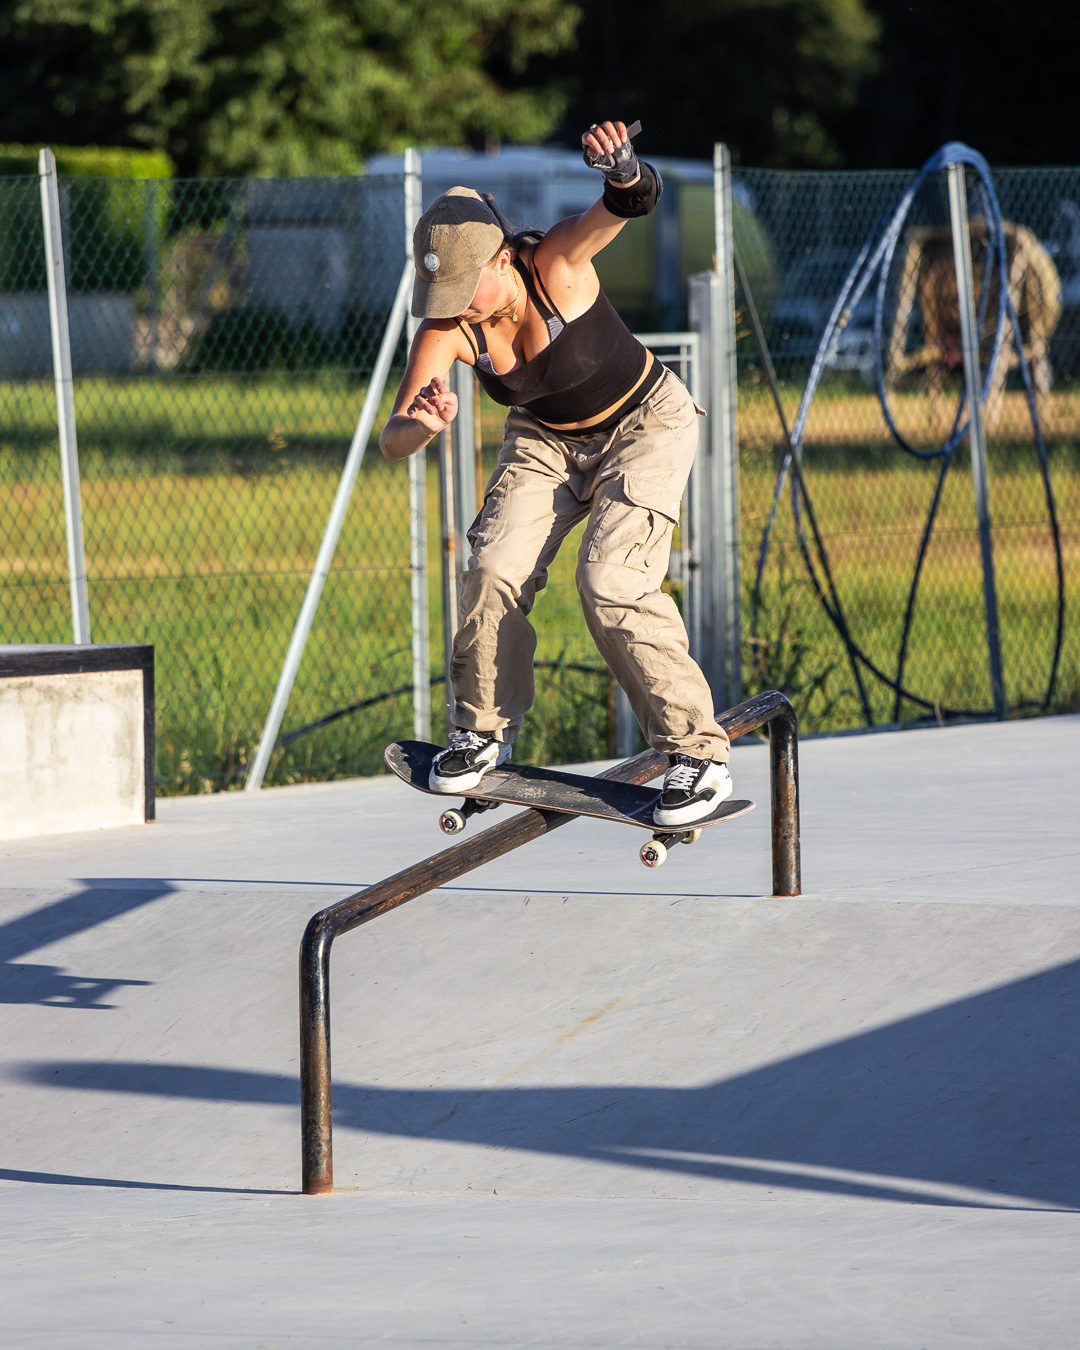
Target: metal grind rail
770 709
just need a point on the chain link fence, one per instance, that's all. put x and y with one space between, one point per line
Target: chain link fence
898 527
223 333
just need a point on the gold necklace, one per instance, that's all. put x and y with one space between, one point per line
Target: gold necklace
512 308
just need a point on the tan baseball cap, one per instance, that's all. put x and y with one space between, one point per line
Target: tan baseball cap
452 241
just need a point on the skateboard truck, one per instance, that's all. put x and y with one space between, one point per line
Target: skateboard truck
654 853
453 821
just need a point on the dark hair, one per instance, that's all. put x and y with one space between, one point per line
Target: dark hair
512 239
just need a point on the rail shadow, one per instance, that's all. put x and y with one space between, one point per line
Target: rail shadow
115 1183
981 1093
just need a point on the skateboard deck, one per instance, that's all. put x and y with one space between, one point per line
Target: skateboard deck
571 794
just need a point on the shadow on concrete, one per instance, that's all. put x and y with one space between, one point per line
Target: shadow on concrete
55 988
278 885
60 1179
100 900
105 898
981 1094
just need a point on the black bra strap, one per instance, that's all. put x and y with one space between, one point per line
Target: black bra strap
475 334
540 282
547 310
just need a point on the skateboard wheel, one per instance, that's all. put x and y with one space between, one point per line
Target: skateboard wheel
451 822
690 837
653 853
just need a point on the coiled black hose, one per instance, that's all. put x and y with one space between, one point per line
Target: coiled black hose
875 260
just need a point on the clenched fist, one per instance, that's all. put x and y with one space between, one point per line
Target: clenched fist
434 407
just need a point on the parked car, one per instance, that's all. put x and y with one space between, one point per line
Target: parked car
802 305
1064 248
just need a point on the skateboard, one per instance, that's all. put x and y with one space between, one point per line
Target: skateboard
571 794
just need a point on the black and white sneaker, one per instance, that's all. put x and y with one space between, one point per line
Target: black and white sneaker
467 757
692 789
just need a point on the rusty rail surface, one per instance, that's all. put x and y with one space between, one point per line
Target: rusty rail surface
771 709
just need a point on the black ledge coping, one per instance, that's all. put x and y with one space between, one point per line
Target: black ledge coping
69 658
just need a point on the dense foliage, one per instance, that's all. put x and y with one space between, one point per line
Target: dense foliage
995 73
767 76
275 86
859 83
308 86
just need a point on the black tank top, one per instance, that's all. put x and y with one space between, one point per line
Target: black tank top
589 364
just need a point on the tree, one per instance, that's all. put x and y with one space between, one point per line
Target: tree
990 72
769 77
275 86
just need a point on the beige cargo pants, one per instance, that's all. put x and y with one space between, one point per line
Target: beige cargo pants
629 482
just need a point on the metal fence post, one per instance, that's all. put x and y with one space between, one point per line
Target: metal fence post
65 394
466 450
667 291
450 546
626 726
969 335
684 350
715 496
692 575
418 577
457 504
725 405
336 520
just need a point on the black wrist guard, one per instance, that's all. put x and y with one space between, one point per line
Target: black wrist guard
639 200
621 165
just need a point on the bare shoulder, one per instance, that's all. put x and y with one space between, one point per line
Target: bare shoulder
438 343
555 250
571 283
443 336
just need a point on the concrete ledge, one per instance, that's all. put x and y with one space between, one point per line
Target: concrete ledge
76 738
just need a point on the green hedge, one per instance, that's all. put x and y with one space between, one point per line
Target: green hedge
87 161
118 207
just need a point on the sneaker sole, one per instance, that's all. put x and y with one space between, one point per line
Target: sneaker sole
687 815
462 782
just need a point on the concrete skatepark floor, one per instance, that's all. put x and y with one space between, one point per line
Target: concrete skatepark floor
577 1103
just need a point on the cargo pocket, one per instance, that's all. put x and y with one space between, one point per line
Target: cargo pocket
662 417
486 523
633 526
667 407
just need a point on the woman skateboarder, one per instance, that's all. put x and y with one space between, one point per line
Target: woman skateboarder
597 429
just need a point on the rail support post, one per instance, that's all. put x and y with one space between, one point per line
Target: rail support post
315 1105
784 804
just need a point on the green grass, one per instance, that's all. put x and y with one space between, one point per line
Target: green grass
204 503
872 503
